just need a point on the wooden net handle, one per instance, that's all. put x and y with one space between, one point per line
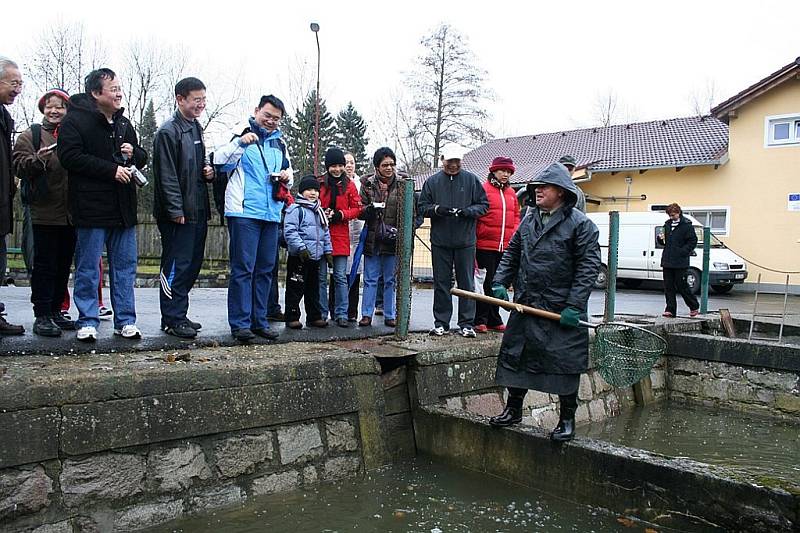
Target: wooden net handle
511 306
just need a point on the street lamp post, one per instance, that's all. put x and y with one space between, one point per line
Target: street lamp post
315 29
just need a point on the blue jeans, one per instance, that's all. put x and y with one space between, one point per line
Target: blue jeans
340 287
120 244
374 267
252 257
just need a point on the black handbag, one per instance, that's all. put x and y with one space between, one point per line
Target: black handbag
385 233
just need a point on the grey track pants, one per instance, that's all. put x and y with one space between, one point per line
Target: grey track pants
444 261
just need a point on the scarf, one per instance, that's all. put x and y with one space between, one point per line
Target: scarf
333 185
497 184
315 206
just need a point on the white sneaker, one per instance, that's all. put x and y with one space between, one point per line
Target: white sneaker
468 332
66 316
129 332
104 313
437 331
87 334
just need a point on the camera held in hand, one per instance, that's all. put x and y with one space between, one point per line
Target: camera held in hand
138 176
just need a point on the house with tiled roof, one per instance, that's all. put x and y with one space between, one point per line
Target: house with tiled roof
736 170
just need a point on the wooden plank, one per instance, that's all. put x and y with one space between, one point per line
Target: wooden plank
394 377
727 323
643 391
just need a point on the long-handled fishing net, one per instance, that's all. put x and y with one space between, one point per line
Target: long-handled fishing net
623 353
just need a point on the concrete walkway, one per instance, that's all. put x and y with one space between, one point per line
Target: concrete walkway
209 307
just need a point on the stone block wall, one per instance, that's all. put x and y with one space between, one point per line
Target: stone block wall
775 392
133 488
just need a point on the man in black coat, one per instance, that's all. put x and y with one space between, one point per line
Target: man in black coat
181 205
552 261
453 199
10 88
97 146
679 240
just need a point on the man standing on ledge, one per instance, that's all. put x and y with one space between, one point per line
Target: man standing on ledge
552 261
453 199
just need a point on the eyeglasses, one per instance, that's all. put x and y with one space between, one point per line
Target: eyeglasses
270 118
16 84
388 165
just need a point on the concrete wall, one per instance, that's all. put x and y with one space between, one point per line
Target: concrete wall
121 442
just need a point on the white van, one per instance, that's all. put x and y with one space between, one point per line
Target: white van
640 247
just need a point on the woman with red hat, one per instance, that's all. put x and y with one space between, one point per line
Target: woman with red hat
494 231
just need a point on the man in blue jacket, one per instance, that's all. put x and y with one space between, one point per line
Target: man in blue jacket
453 199
180 205
257 160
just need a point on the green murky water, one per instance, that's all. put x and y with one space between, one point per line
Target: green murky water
418 496
765 446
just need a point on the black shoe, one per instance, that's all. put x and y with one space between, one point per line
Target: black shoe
277 317
243 335
565 430
342 322
63 322
182 331
510 416
266 333
197 326
10 329
44 326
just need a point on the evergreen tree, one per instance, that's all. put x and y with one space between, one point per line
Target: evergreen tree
351 135
300 136
147 133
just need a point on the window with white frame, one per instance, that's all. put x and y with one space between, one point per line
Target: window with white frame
782 130
716 218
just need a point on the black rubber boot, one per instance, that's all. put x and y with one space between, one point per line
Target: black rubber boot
44 326
565 430
512 414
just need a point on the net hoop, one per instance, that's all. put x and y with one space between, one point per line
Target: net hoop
625 353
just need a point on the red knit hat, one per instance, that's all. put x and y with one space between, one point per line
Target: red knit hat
502 163
53 92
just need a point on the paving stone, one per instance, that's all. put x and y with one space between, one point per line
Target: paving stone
724 371
147 515
585 388
242 454
484 404
455 403
23 491
176 468
310 475
535 399
341 436
718 389
341 468
299 443
686 384
784 381
111 476
281 482
582 413
600 384
739 391
692 366
597 410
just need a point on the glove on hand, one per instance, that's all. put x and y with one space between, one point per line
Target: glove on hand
329 260
443 211
570 317
337 217
305 255
457 212
500 292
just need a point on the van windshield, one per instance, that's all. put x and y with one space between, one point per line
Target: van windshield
714 242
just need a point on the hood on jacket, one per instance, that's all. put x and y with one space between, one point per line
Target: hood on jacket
85 103
557 174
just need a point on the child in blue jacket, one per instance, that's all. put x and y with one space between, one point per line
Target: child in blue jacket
305 229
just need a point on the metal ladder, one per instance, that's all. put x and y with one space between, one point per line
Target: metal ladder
755 310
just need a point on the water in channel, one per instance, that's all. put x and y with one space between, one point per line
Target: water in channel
765 446
417 496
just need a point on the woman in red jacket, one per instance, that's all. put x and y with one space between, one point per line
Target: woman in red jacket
341 200
494 231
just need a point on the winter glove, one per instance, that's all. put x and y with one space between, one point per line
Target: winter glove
457 212
305 255
500 292
369 212
570 317
337 217
444 211
329 260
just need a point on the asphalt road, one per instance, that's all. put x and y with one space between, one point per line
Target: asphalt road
209 307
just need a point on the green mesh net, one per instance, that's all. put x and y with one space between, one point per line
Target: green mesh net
624 354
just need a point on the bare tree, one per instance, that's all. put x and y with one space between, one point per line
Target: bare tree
448 92
701 100
606 109
396 127
143 73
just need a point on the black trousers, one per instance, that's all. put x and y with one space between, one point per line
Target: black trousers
487 314
302 283
675 282
53 248
568 403
182 248
445 260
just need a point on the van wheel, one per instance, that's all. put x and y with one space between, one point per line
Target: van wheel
602 278
721 289
693 280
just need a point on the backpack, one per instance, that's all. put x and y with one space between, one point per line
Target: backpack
34 189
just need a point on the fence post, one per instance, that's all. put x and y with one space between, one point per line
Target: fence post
611 275
405 245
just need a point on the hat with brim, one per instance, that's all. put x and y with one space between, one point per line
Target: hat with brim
502 163
452 151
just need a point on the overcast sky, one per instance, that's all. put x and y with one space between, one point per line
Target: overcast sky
547 63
